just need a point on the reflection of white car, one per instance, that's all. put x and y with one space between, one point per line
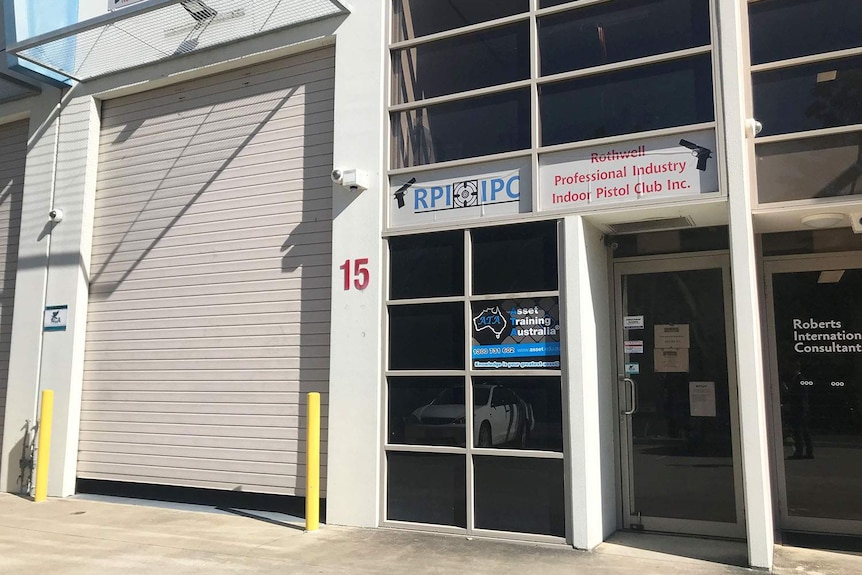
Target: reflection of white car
500 417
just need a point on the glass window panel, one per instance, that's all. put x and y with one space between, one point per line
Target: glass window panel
518 413
821 95
428 336
462 129
415 18
427 265
520 494
818 333
509 259
823 167
662 95
427 410
549 3
618 31
427 488
783 29
477 60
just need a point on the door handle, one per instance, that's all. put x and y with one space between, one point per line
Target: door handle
633 394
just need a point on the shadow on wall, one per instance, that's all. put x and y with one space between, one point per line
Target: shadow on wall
10 211
235 212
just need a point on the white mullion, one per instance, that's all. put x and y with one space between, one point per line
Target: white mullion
476 93
626 64
425 373
428 300
805 60
574 5
422 448
850 128
672 130
455 32
517 295
522 453
468 382
462 162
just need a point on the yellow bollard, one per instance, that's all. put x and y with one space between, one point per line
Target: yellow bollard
312 464
43 455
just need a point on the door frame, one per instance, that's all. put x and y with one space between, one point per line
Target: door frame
790 264
670 263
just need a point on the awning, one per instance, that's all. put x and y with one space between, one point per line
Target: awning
160 29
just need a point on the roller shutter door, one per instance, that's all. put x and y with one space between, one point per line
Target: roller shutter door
13 155
209 317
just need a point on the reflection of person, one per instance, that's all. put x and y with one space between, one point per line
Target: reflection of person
796 390
676 405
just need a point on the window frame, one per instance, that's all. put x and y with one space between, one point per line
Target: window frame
468 374
799 61
534 83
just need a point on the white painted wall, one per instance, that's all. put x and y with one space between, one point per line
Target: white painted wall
757 489
590 435
353 484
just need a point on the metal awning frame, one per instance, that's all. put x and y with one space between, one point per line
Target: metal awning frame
118 16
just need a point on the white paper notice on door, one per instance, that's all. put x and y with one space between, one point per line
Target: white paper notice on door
701 398
672 335
671 360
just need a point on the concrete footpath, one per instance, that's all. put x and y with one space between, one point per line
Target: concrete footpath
84 536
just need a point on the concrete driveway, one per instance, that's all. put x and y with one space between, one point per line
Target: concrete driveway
82 536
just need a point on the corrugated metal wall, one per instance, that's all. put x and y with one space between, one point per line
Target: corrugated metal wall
210 280
13 155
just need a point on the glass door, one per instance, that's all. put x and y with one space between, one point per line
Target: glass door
815 325
677 396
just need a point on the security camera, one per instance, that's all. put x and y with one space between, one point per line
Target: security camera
55 215
856 222
355 180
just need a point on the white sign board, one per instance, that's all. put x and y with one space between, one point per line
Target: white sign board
672 335
633 322
668 360
458 195
654 169
116 4
634 346
55 318
701 398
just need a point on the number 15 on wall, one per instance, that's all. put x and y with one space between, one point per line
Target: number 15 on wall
358 273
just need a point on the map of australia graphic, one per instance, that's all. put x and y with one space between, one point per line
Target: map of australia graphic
492 319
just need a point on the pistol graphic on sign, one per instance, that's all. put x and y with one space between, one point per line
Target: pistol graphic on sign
399 193
702 154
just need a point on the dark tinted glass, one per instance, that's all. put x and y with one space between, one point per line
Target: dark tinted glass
427 488
462 129
414 18
672 241
822 167
810 242
429 336
427 410
477 60
520 494
510 259
427 265
621 30
783 29
518 413
549 3
818 332
821 95
662 95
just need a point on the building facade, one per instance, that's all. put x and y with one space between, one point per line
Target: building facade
626 232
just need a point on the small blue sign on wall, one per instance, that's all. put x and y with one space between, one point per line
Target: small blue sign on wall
55 318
